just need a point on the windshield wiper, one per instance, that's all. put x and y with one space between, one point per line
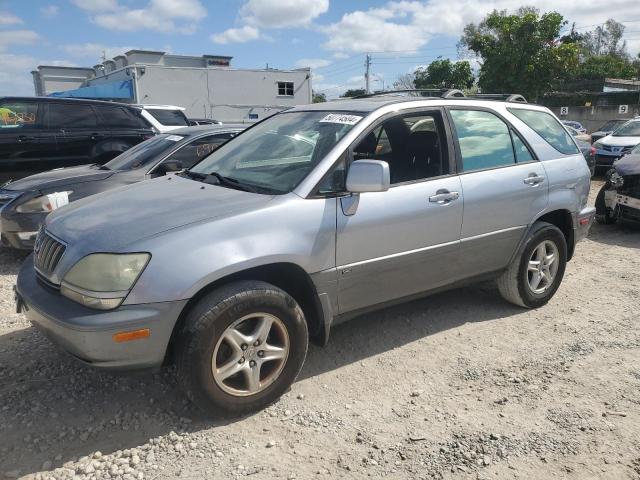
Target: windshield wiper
214 178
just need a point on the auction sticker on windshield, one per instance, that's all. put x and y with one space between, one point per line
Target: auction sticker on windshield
341 118
174 138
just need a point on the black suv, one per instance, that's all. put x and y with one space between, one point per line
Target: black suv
42 133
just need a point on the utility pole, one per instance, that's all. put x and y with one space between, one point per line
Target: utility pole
367 64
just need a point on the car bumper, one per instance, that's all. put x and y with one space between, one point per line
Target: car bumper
18 230
88 334
584 220
605 160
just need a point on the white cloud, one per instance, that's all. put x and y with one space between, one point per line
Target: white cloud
236 35
49 11
160 15
15 73
282 13
94 50
7 18
312 62
409 25
17 37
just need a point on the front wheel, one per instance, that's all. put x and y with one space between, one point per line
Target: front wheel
241 348
534 276
604 214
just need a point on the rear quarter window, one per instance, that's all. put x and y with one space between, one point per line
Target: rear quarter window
545 125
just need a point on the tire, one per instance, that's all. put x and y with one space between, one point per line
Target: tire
604 215
218 318
514 284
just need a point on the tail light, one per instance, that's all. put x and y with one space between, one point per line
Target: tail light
592 151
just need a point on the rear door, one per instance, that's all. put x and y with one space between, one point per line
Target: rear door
504 186
24 146
406 240
76 128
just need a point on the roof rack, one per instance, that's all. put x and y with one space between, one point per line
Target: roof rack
448 93
421 92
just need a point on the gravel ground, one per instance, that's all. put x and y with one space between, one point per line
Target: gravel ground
459 385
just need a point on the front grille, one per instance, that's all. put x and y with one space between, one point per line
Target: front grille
47 252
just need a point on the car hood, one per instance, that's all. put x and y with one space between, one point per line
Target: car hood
620 141
60 177
111 220
628 165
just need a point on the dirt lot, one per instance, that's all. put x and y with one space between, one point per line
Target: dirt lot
460 385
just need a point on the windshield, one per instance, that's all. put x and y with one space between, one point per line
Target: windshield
636 149
611 125
277 154
144 153
630 129
170 118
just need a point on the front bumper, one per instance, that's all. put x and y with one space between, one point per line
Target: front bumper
87 334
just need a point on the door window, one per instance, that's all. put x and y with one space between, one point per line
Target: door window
195 151
70 116
484 139
523 154
18 115
119 117
413 145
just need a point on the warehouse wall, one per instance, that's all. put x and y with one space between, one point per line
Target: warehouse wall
593 117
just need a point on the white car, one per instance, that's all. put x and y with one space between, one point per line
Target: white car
617 144
165 118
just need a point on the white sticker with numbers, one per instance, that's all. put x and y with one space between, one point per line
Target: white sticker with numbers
343 119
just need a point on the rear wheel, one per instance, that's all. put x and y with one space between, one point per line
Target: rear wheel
241 348
535 274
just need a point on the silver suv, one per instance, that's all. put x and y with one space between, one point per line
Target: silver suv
311 217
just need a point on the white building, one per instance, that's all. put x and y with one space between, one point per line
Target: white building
206 86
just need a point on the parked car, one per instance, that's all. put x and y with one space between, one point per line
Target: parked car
308 218
25 203
607 129
41 133
588 150
573 124
620 142
165 118
583 137
619 197
204 121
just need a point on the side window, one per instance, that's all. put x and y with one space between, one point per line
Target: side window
18 115
523 154
70 116
484 139
413 145
545 125
119 117
192 153
335 180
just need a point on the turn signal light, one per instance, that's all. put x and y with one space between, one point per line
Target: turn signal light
132 335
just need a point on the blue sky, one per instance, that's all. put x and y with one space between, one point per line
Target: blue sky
331 36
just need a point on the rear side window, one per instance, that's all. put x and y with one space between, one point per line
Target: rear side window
18 115
70 116
484 139
170 118
120 117
545 125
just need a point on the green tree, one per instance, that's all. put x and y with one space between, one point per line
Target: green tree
353 92
318 97
602 66
443 73
520 53
605 40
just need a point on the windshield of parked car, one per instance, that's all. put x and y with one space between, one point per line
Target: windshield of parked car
630 129
144 154
611 125
275 155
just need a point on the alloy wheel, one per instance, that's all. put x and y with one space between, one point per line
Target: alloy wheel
543 267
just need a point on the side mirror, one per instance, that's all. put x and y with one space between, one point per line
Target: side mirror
368 176
172 166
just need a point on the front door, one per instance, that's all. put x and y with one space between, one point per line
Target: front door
406 240
504 187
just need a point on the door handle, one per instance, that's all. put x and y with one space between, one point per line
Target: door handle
444 197
25 139
533 179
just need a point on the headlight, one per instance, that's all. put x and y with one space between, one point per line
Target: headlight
44 203
103 280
